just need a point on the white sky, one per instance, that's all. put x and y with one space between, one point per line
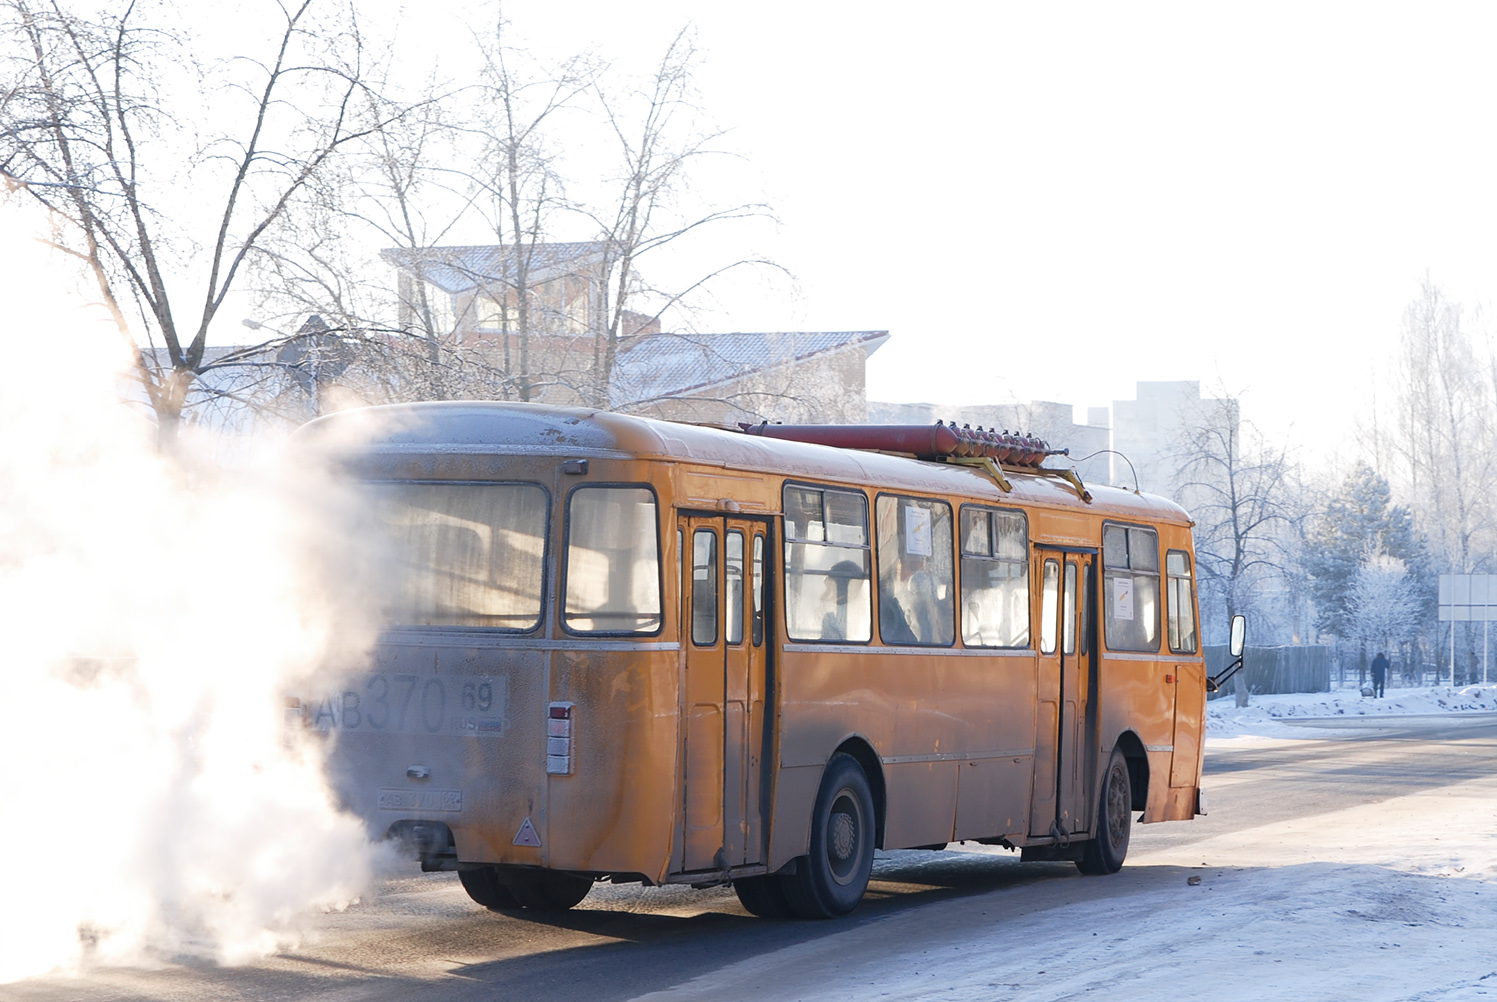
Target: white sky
1054 202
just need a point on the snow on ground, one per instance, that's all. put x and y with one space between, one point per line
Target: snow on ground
1266 716
1371 904
1393 901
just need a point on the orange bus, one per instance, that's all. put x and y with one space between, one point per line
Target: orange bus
626 649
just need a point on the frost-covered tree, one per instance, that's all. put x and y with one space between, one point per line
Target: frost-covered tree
1383 603
1359 524
1440 446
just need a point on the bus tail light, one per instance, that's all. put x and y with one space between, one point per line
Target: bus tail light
559 739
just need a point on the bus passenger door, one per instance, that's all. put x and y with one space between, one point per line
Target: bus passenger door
724 636
1059 802
1077 756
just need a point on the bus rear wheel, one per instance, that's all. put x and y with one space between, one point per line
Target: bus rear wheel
549 890
831 879
483 886
1105 853
763 896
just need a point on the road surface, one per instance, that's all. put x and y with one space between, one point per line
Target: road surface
422 937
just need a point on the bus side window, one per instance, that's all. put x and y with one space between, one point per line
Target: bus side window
1049 601
758 589
733 606
704 587
1130 588
1068 613
1180 602
995 578
916 600
1088 599
827 565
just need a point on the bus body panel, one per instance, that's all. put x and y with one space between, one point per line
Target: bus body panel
954 729
408 748
616 812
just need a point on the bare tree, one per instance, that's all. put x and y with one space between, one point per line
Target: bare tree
399 187
85 125
531 316
521 185
1442 447
658 139
1242 494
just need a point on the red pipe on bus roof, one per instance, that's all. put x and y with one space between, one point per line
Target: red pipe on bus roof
935 441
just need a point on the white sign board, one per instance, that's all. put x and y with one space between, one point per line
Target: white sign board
917 532
1122 599
1468 598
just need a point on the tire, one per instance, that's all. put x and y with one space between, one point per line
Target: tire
549 890
483 886
1105 853
833 876
763 896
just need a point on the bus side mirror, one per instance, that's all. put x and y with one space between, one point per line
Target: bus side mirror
1235 648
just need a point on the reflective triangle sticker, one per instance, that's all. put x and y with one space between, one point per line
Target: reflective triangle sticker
526 835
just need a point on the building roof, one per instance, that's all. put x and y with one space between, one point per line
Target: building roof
659 366
456 270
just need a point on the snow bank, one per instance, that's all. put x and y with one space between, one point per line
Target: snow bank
1265 716
1394 900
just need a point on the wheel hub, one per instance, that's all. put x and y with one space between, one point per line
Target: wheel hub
844 837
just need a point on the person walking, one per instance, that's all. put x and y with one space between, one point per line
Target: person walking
1379 674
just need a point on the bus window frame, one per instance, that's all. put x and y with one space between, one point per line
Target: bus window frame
565 565
877 576
869 546
1160 623
540 623
1195 613
1028 584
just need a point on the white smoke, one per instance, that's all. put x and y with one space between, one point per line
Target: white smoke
151 621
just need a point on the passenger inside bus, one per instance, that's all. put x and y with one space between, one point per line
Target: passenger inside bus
915 584
834 599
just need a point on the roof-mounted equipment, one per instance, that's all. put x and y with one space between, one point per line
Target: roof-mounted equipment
988 449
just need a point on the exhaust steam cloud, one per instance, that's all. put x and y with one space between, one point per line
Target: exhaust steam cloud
152 618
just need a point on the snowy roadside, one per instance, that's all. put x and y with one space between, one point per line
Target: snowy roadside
1392 900
1395 900
1270 716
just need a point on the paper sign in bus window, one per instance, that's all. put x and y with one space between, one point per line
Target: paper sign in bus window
1122 598
917 532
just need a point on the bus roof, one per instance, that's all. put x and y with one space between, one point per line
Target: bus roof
501 428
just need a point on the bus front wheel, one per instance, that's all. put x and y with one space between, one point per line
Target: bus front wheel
1105 853
833 876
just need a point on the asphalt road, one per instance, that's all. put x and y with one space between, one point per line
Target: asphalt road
422 937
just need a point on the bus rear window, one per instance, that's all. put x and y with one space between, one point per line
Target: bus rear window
464 554
613 561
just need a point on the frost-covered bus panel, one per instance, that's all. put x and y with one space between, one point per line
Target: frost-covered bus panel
628 649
